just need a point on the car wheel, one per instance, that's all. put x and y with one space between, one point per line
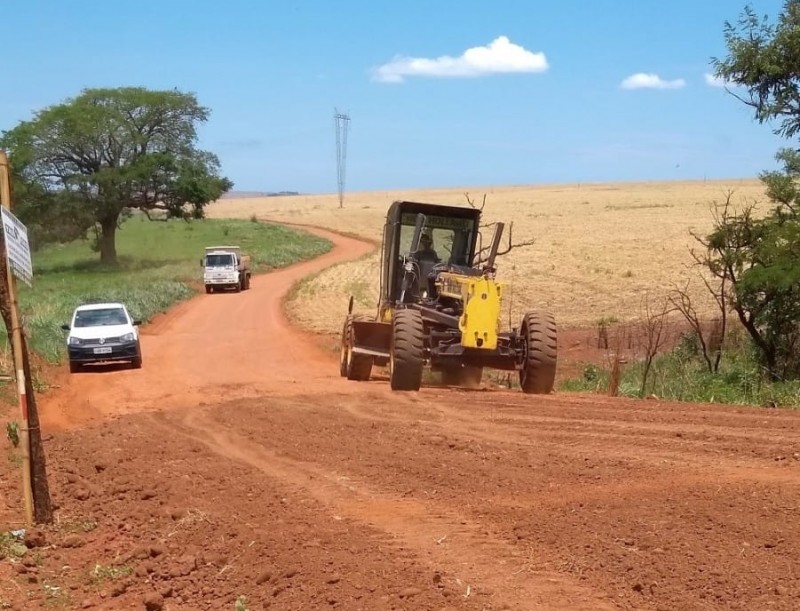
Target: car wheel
137 362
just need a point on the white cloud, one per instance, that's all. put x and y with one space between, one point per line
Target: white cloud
642 80
715 81
501 56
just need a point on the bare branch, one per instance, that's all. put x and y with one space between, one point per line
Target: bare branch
472 203
652 325
511 244
509 247
682 302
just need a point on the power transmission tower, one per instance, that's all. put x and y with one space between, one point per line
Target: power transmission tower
342 123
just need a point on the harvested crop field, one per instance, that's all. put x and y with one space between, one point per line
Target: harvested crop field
599 248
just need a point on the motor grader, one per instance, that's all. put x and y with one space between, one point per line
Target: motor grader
443 309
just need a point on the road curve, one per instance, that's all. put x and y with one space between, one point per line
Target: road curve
208 349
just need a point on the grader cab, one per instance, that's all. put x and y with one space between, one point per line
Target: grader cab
440 306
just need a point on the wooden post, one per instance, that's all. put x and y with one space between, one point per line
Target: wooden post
16 340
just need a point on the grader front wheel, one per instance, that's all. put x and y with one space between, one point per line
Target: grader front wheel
540 339
407 350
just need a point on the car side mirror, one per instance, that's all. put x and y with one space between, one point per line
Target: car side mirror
65 327
201 263
136 323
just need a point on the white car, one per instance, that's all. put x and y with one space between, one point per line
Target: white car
102 332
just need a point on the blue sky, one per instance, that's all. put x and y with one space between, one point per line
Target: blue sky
514 92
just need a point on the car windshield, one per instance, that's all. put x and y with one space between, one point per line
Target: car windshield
102 317
218 260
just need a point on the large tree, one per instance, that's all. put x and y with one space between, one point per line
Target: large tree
760 257
107 152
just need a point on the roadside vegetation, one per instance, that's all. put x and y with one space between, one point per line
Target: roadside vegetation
682 374
749 262
158 266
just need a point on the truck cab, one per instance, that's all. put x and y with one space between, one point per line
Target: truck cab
224 267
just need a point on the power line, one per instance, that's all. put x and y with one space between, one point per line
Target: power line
342 123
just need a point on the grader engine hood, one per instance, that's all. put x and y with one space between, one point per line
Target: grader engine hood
479 323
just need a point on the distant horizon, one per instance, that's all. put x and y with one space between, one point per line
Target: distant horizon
244 193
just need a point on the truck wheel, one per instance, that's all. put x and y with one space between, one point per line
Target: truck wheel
209 290
540 341
465 377
353 366
247 283
74 367
407 350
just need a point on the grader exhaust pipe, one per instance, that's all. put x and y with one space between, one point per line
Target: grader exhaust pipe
495 247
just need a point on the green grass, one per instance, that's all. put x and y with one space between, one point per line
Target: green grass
159 265
680 375
101 573
11 547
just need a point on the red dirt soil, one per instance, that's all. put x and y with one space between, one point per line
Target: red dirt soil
238 463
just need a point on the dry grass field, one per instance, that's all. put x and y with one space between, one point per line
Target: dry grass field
599 248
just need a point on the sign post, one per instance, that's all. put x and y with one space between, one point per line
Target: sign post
18 262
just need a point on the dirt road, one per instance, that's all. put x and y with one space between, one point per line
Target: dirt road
213 348
238 463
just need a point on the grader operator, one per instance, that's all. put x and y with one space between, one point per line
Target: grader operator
440 307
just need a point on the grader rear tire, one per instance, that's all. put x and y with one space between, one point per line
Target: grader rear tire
353 366
538 373
407 350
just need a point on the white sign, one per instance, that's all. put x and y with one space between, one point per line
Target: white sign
17 249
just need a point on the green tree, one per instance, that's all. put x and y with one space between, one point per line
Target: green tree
760 255
51 217
108 152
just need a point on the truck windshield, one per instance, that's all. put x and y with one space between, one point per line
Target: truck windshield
219 260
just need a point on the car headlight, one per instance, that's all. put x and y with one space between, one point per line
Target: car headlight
73 341
128 337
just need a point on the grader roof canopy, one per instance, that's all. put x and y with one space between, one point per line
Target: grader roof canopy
405 208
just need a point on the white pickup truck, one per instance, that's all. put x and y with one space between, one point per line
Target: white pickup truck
225 267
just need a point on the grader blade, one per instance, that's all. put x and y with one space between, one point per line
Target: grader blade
372 338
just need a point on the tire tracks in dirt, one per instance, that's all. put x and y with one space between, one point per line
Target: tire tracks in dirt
437 535
716 448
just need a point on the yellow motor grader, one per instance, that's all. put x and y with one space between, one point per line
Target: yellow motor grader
440 306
